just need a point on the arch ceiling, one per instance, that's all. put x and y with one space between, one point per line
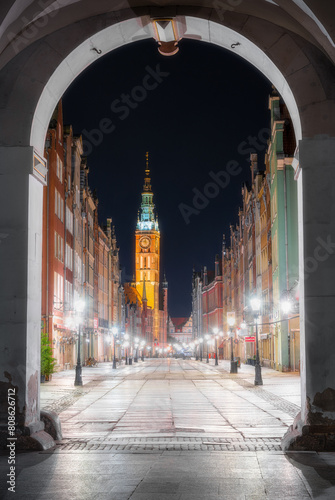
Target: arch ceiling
45 44
311 19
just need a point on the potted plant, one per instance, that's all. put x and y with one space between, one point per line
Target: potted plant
48 362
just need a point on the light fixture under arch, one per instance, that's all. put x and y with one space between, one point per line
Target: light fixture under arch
133 30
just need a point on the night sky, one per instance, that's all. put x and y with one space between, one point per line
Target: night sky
197 120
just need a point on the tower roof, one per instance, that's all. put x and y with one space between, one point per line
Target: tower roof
147 219
147 185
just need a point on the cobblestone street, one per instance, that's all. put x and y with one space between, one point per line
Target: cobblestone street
164 403
173 429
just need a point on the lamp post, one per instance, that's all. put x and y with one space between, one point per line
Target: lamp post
142 349
207 339
255 305
192 347
221 342
126 338
201 341
114 332
79 309
125 347
243 327
216 331
286 307
196 344
136 340
231 323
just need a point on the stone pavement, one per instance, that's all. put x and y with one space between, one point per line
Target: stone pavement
175 430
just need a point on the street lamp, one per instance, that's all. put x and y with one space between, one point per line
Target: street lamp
108 339
231 323
216 331
114 332
126 338
207 338
196 344
125 347
286 307
255 305
136 341
201 340
221 334
79 309
142 349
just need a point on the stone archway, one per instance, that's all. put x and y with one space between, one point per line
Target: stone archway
36 68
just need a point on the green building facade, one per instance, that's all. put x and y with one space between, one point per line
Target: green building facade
284 234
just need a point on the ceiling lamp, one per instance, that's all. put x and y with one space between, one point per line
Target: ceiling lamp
166 34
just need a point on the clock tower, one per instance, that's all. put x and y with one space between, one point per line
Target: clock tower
147 250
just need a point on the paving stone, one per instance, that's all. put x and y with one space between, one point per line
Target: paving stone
172 430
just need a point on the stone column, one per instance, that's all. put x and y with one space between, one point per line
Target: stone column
22 176
314 428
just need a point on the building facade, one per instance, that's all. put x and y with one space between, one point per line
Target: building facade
261 260
146 299
147 251
284 235
80 260
181 329
197 329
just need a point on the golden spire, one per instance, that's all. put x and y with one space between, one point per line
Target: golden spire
147 170
147 186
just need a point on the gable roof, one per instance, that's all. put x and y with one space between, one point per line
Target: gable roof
179 322
131 294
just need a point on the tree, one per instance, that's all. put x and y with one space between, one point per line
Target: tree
48 362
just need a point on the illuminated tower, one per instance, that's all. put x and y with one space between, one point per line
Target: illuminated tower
147 250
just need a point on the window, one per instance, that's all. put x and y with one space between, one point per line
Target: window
59 252
78 267
58 291
265 303
69 257
274 251
59 206
69 220
78 229
59 170
274 204
68 295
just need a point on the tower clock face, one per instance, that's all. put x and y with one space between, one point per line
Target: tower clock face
145 242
